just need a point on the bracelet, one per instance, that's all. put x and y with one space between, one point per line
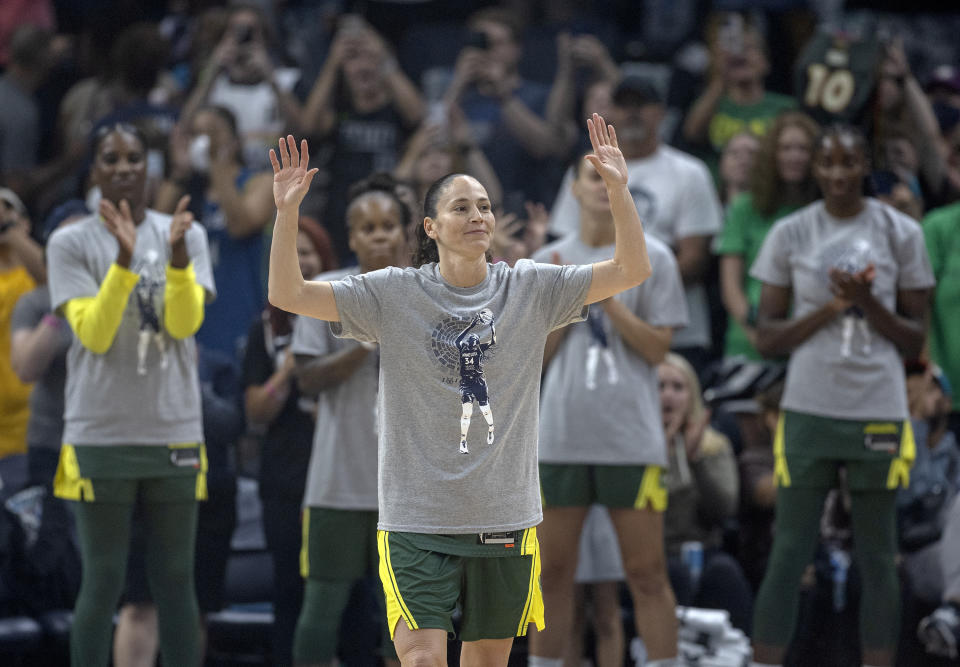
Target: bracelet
52 321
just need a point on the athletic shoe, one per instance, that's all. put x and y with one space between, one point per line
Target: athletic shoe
463 446
490 436
940 631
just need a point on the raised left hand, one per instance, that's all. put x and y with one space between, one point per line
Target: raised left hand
182 219
606 157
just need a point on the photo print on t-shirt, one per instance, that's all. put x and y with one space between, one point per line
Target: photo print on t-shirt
148 295
463 345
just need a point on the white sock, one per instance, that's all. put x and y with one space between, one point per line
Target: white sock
541 661
662 662
763 664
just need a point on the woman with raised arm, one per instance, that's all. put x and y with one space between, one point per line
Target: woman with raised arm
457 528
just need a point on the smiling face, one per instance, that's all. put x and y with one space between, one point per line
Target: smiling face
120 168
376 230
840 167
464 220
794 149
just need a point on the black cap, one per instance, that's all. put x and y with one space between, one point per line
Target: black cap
637 91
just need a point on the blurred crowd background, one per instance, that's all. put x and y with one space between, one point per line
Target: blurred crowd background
405 92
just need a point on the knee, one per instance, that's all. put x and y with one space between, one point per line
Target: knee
558 569
422 656
647 577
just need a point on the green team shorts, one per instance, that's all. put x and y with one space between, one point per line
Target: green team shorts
581 485
499 593
118 473
338 544
808 449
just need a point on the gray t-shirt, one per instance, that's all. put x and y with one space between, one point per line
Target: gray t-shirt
846 369
438 351
45 427
601 400
343 463
108 401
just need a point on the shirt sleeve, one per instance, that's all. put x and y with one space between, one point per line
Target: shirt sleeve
183 300
562 291
67 272
199 251
772 265
310 336
359 306
27 313
912 257
95 319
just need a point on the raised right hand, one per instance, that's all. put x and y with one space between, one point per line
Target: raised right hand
291 179
120 224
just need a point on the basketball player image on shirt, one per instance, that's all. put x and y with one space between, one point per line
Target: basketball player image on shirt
150 327
473 386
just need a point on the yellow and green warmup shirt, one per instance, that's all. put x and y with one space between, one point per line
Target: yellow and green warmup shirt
132 367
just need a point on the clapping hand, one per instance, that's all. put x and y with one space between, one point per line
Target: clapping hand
182 219
606 157
852 288
119 222
291 178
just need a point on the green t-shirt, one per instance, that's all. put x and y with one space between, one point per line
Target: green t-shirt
743 234
730 119
940 229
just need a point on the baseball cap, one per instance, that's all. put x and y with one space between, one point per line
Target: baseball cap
9 196
636 90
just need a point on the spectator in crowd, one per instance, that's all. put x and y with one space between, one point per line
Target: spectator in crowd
858 305
934 480
601 436
901 193
240 75
781 181
363 107
275 404
440 148
39 340
507 112
905 113
676 199
234 204
577 56
134 88
341 492
702 492
19 114
21 269
736 164
940 631
940 229
473 545
735 99
132 283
